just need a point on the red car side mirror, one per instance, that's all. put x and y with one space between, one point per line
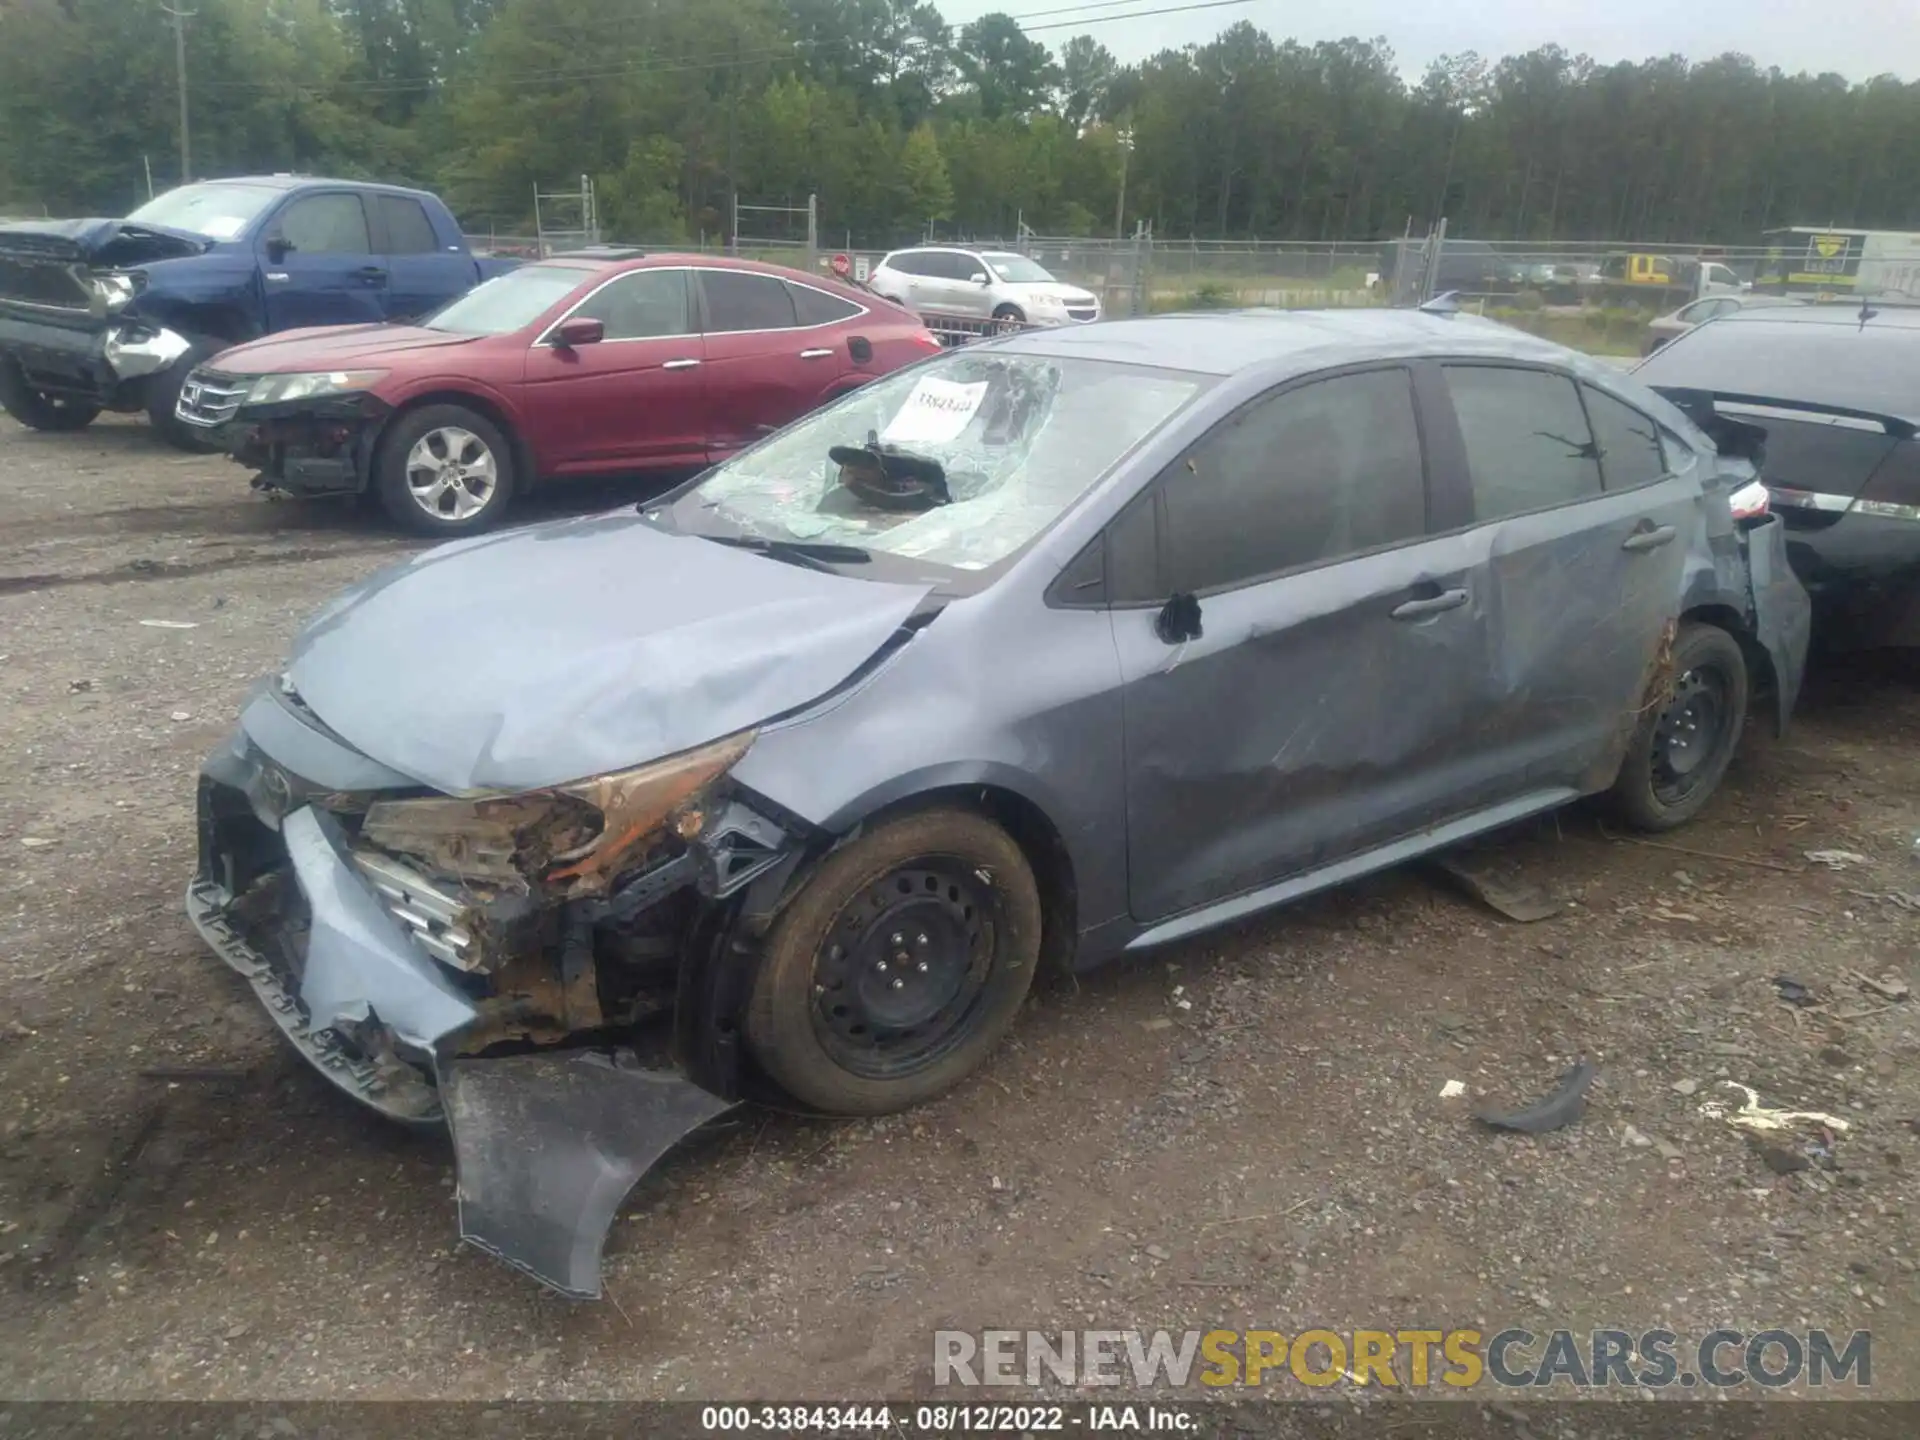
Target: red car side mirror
580 330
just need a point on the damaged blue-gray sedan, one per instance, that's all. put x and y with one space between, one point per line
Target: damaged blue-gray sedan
1052 648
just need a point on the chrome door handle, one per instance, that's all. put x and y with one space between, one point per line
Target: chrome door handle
815 354
1643 540
1429 605
679 364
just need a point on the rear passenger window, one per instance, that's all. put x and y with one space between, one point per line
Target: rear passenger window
1528 446
816 307
1629 442
741 300
409 232
1317 472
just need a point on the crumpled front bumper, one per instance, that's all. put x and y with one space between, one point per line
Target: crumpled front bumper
547 1145
310 447
76 354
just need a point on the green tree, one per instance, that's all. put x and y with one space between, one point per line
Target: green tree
927 190
1087 71
1008 72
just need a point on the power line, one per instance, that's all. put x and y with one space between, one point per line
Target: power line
1138 15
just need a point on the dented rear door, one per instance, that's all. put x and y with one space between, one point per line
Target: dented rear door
1582 521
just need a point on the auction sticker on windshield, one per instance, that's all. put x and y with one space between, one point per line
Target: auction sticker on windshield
935 413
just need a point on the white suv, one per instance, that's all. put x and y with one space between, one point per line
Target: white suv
938 280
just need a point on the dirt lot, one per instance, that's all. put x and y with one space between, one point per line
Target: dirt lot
1244 1131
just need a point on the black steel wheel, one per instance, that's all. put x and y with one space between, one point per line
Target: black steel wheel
1682 748
898 965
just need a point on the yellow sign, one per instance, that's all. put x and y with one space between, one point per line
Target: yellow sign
1829 246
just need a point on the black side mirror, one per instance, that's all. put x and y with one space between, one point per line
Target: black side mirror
1178 620
279 247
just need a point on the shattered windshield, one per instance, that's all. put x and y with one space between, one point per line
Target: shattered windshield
219 211
959 462
1017 270
508 302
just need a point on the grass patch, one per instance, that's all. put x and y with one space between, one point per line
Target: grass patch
1601 330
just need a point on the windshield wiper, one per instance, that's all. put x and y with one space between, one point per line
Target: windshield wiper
812 554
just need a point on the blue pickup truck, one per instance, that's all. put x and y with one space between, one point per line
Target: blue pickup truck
113 314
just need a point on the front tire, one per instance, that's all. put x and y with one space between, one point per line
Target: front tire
163 395
38 410
444 470
1681 751
1010 315
899 965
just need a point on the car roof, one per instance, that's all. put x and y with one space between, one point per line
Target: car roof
1824 356
678 259
1300 340
1840 313
301 182
608 265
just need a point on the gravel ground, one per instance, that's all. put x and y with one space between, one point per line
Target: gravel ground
1246 1131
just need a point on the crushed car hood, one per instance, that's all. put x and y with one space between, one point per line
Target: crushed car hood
328 346
553 653
100 242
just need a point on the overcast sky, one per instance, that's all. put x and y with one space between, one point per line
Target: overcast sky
1857 38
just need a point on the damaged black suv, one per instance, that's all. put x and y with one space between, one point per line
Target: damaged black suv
1060 646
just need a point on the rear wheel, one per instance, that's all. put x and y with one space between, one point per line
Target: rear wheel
1681 751
898 966
39 409
444 470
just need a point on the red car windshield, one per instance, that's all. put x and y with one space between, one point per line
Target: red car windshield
508 302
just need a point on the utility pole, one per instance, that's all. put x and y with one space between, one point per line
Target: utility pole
180 18
1125 137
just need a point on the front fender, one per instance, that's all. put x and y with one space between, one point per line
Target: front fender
214 295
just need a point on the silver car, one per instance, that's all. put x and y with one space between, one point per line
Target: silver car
1672 326
1047 650
982 284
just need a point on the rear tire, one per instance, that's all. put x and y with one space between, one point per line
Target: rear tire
444 470
163 394
854 1016
1681 751
38 410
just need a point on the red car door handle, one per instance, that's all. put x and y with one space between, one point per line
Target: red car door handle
679 364
815 354
1653 539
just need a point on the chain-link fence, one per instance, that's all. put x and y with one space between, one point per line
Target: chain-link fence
1596 295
